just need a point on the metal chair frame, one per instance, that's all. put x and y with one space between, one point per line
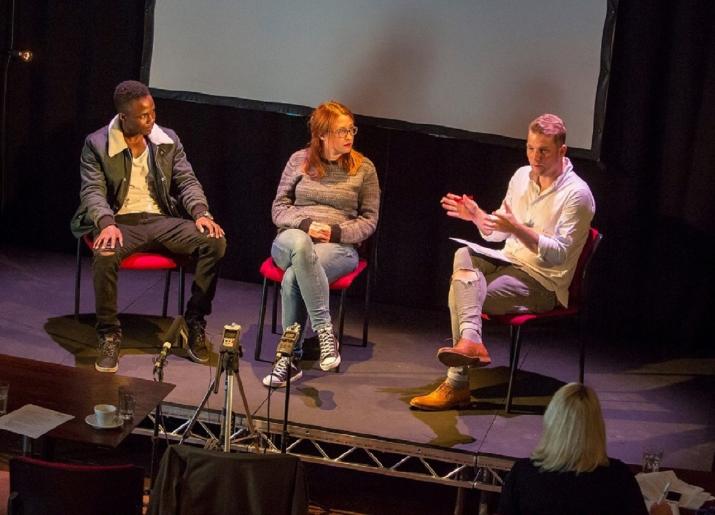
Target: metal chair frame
576 310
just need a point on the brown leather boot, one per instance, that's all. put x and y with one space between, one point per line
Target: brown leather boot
444 397
465 353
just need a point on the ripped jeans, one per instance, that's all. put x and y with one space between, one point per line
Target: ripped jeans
480 285
309 269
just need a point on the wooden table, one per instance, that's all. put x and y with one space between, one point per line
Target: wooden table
75 391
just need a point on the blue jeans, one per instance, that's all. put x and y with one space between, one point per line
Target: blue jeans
309 269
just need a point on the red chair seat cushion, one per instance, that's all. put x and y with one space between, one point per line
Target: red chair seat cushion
344 282
272 272
147 261
519 319
143 260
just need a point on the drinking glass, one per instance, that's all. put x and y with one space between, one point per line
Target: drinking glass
127 402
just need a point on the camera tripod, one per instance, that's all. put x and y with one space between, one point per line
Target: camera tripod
229 356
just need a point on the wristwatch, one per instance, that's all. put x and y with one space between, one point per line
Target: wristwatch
207 215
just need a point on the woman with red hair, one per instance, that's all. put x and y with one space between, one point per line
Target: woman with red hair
327 203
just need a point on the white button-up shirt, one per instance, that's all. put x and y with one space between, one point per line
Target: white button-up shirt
561 214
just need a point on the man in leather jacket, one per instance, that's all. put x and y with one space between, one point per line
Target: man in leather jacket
139 193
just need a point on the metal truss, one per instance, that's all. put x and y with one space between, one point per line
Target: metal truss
371 454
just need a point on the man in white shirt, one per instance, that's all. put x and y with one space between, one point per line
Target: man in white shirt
544 218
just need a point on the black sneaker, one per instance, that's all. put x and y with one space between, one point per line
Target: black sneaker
108 359
278 378
198 344
329 348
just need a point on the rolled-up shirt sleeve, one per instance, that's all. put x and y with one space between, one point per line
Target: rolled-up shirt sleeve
574 220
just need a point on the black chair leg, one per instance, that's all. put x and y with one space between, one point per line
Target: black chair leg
274 315
511 347
182 286
167 285
341 315
515 343
261 319
77 278
366 309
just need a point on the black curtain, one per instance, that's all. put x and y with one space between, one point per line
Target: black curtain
659 177
82 50
653 186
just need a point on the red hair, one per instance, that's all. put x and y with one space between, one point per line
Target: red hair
321 123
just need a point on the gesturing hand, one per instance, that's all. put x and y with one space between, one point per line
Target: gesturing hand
504 220
459 206
465 208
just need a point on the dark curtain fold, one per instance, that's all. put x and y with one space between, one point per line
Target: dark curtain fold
660 163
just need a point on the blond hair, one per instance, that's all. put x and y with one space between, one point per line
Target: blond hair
550 125
321 123
574 437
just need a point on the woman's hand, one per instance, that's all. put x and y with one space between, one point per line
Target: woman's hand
660 508
320 232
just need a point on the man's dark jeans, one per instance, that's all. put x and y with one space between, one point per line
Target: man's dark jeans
143 232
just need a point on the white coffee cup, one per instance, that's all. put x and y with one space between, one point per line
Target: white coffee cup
105 414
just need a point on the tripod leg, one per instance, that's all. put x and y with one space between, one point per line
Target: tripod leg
249 417
192 421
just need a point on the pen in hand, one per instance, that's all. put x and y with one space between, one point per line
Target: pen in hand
664 493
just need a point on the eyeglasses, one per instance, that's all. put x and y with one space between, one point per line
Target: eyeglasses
344 131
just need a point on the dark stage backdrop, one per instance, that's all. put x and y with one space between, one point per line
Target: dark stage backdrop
651 280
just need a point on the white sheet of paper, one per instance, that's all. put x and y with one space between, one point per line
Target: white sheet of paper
33 421
484 251
652 484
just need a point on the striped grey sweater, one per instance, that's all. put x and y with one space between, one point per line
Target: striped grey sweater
349 204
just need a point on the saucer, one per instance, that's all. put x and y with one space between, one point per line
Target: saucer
92 421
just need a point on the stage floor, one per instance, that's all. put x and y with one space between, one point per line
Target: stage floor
648 401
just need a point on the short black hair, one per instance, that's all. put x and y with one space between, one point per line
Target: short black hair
127 91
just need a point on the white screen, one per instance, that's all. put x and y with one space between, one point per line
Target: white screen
487 66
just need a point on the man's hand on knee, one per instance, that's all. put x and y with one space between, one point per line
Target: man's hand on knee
207 226
108 240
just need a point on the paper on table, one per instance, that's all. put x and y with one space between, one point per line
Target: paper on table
33 421
484 251
652 483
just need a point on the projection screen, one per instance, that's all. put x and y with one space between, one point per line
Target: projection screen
482 66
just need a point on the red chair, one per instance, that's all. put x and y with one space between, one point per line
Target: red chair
39 487
577 301
139 261
271 272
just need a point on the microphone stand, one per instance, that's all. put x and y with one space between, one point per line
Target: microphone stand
284 433
158 376
286 346
177 331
